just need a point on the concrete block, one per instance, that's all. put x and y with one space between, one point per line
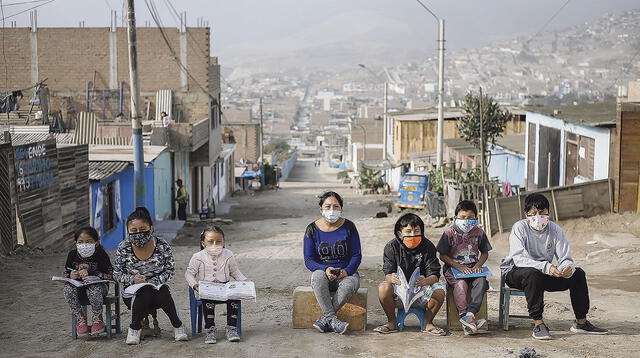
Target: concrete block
453 317
306 309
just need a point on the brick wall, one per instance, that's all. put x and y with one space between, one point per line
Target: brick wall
70 57
17 46
247 139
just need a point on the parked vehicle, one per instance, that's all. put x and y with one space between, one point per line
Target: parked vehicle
412 192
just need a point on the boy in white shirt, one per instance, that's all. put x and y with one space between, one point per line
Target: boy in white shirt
533 244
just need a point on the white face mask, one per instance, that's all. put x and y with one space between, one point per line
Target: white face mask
331 215
86 250
214 250
538 222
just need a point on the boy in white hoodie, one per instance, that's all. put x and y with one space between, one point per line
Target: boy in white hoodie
215 263
533 244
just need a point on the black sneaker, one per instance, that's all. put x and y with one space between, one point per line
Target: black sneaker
587 327
541 332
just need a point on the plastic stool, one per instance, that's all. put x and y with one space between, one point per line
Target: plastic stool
401 315
505 299
197 313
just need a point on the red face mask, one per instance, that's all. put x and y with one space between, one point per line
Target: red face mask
412 241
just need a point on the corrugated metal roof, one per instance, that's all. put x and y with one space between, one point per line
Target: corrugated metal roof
31 137
589 114
86 128
122 153
514 142
424 115
164 103
102 170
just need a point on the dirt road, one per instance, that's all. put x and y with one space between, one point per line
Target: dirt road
266 235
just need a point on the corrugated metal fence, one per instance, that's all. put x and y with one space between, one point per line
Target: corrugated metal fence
567 202
7 200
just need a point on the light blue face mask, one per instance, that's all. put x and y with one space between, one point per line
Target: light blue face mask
465 225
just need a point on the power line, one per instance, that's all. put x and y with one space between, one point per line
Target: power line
173 12
176 16
425 6
23 11
548 21
622 69
24 2
156 18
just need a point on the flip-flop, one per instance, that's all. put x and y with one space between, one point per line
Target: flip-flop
432 331
384 329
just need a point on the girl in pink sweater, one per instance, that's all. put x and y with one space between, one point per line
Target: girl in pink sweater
215 263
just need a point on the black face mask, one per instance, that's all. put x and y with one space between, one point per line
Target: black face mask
141 238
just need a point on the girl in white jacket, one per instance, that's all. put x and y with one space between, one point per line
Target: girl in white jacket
215 263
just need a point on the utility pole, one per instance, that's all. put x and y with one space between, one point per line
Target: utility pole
261 134
385 120
440 131
136 123
482 159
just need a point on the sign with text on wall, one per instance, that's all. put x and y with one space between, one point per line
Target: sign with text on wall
33 169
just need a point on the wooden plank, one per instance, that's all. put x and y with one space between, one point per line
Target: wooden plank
509 211
497 202
555 207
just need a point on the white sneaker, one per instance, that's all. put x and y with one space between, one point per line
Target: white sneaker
133 336
179 335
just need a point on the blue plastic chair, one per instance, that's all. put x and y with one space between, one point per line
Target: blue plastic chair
401 315
197 313
505 299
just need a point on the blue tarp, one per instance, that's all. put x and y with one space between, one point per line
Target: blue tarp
250 175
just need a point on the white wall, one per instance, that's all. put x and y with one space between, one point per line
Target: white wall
393 177
601 137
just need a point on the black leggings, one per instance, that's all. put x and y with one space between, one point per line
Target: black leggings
534 283
209 307
147 300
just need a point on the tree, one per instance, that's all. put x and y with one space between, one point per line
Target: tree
277 146
494 121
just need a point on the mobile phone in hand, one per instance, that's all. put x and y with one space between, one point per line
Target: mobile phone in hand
335 272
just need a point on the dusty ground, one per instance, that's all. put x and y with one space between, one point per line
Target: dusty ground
267 237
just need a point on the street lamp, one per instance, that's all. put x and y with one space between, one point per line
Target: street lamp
384 112
440 132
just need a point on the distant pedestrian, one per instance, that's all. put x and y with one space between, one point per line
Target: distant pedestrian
182 199
164 117
332 253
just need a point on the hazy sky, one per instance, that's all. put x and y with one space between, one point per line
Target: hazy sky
252 23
